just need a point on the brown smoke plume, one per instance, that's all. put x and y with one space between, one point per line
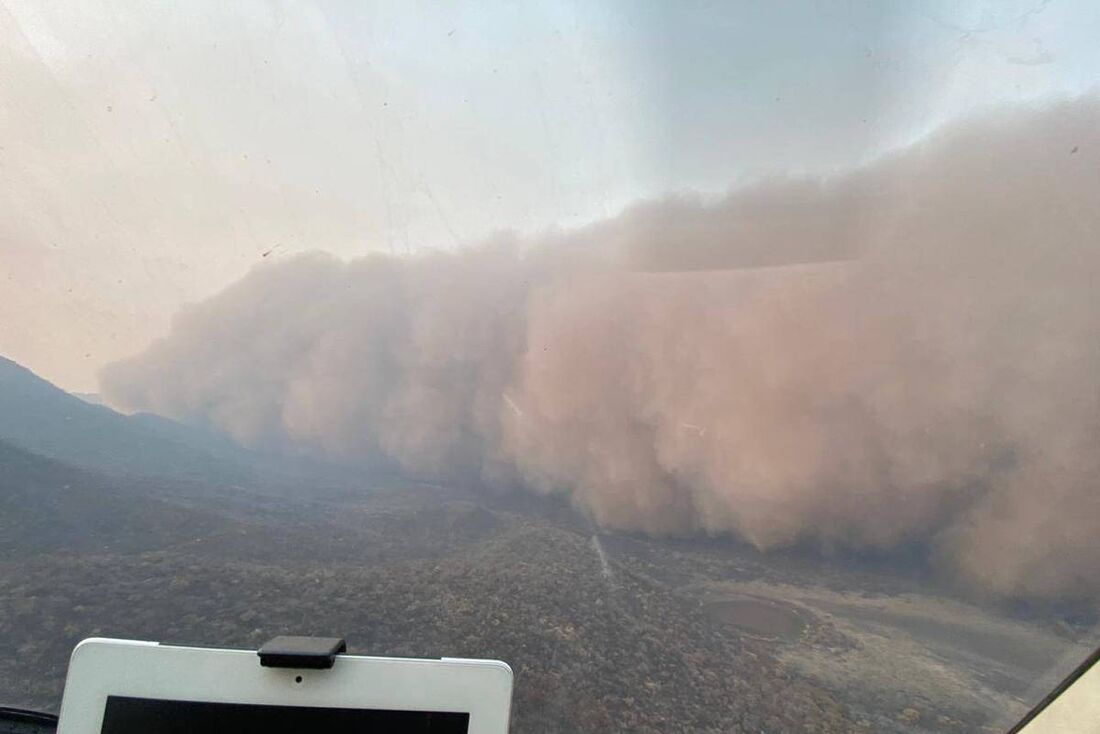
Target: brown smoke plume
930 373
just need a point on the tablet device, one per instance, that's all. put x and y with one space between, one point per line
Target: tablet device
130 687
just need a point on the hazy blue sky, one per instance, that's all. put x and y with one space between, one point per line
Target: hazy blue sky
151 153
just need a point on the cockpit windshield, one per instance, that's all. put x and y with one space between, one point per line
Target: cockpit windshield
720 367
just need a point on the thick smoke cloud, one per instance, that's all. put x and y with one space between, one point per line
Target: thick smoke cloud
929 373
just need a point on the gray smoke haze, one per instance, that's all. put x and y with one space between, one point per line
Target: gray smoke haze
929 373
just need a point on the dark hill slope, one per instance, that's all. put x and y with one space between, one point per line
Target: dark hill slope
44 419
46 505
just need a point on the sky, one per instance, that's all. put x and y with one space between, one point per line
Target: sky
152 154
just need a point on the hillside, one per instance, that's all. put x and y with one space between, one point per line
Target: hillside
44 419
46 505
410 570
605 632
591 652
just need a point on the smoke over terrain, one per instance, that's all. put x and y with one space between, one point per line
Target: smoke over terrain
903 353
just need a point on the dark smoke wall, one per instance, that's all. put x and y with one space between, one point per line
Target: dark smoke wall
930 372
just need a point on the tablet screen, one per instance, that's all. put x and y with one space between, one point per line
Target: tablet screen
126 715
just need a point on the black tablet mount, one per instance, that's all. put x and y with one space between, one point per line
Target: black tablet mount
314 653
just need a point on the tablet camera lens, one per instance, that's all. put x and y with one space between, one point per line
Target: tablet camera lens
298 679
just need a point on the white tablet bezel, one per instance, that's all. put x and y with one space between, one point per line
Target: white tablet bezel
100 668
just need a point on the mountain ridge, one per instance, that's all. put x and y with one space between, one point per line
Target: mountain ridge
44 419
41 418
